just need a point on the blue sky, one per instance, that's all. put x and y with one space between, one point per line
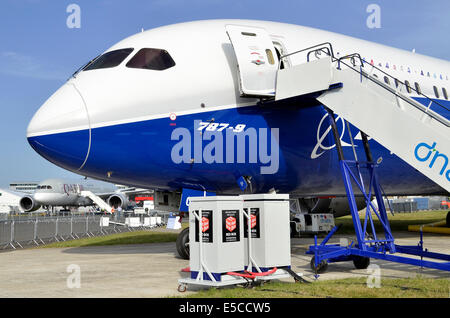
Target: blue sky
38 52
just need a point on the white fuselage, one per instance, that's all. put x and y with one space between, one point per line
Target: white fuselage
64 192
107 123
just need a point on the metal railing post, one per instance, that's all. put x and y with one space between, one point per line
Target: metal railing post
76 235
35 232
87 226
71 228
13 236
56 230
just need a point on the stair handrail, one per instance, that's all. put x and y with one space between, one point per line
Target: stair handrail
406 98
351 57
330 52
324 44
412 88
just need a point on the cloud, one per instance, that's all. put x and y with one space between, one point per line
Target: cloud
22 65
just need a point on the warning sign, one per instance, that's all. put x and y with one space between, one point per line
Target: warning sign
254 223
207 226
230 223
230 226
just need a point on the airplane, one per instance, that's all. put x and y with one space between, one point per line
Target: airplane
9 201
66 193
160 92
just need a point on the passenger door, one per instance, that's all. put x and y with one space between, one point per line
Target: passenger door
257 60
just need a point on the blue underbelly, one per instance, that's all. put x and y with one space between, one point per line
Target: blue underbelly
140 154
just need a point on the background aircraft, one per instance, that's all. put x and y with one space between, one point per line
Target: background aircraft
66 193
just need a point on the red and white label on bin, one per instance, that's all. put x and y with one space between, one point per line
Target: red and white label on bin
205 224
230 223
252 221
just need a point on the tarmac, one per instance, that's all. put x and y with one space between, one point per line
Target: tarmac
153 270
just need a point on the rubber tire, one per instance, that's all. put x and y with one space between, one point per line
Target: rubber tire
361 262
182 244
293 230
322 268
448 219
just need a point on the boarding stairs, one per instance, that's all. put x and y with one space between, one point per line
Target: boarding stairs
97 200
417 134
348 86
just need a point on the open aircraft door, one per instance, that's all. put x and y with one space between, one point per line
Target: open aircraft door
257 60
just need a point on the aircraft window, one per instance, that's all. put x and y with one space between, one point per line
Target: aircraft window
42 187
109 59
444 91
85 66
151 59
386 80
417 88
396 83
408 87
436 92
270 57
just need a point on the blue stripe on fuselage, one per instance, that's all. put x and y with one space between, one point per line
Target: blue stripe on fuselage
139 154
440 106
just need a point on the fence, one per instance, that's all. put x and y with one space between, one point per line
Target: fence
417 204
20 232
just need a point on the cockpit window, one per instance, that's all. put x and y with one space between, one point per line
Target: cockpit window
152 59
109 59
41 187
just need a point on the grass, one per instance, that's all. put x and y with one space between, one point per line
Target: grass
137 237
418 287
342 288
398 222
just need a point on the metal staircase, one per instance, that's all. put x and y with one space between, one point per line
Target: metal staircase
97 200
415 133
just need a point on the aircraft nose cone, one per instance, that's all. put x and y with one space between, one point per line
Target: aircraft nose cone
59 131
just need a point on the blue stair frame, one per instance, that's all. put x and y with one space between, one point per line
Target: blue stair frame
369 244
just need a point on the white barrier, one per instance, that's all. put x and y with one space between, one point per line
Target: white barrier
133 221
174 223
104 221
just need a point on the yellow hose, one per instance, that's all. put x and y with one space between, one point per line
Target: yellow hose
438 227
